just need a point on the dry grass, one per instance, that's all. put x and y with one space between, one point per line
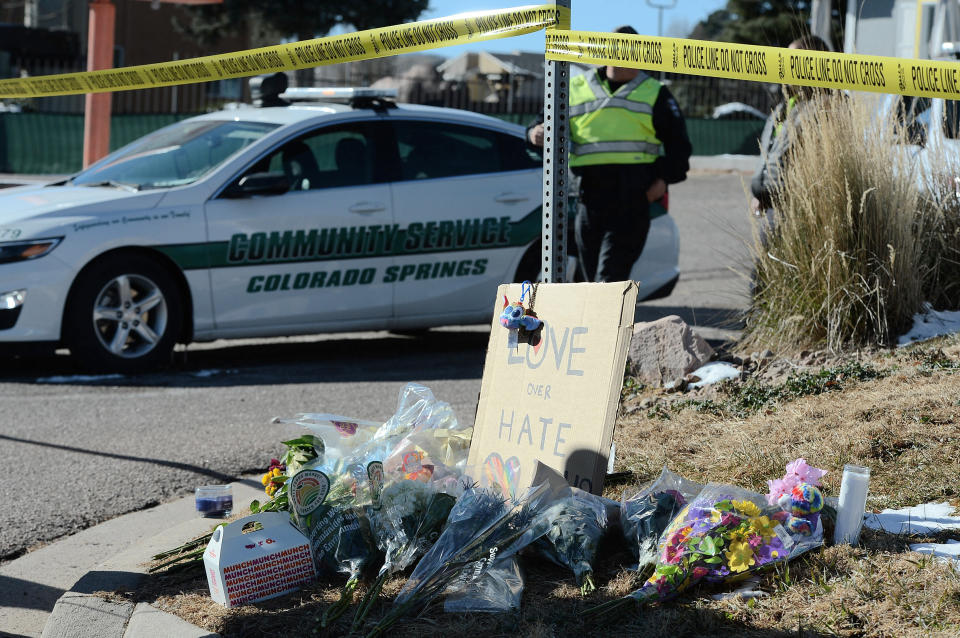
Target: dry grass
905 426
846 261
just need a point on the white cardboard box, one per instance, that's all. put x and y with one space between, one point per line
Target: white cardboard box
244 568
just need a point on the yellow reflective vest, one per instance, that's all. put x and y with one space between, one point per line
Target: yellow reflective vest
613 128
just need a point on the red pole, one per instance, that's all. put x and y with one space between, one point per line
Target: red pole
96 115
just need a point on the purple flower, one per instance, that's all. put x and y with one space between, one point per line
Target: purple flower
770 552
729 520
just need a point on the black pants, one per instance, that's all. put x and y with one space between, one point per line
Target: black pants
613 220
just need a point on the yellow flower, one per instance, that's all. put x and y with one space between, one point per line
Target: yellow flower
747 508
763 526
740 535
265 479
739 556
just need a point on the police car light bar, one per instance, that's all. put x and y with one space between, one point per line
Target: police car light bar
336 93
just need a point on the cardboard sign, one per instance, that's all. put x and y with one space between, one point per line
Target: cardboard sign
243 568
552 395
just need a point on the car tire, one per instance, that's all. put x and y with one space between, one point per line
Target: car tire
124 315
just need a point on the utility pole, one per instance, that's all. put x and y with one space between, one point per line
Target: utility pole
556 189
660 6
96 111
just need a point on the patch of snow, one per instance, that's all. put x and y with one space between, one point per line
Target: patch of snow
79 378
949 551
931 323
919 519
714 372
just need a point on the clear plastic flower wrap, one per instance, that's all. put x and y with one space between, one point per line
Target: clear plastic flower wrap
418 489
646 514
328 508
498 590
406 519
341 435
482 528
578 522
724 535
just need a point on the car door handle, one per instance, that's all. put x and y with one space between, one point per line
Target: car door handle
367 207
510 198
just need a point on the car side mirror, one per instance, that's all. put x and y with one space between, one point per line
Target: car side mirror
258 184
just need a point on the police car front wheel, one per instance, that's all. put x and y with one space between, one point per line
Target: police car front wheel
124 315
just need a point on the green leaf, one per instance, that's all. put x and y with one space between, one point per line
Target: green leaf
716 560
667 570
708 545
254 506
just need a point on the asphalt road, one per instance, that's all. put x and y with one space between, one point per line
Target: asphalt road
78 451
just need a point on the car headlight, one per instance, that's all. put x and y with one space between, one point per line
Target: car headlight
12 300
11 251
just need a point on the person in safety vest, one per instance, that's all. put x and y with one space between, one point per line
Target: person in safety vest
778 130
629 141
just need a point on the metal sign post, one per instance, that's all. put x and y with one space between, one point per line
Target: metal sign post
556 131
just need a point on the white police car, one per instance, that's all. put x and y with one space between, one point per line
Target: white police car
280 220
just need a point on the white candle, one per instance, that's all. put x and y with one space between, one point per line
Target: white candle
852 505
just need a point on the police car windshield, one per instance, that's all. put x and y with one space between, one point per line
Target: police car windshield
175 155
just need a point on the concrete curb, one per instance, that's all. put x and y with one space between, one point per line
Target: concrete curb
78 613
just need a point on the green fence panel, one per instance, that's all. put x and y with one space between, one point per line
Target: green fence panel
52 143
722 137
38 143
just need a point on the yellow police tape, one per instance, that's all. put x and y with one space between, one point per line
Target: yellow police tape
759 64
362 45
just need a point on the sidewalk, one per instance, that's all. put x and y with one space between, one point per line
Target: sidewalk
49 592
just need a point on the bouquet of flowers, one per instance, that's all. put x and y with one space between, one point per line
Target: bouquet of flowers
724 535
415 514
407 519
577 522
422 473
645 515
482 529
327 506
300 451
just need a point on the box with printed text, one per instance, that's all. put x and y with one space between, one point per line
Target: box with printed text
262 563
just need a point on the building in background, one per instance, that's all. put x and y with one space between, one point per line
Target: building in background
926 29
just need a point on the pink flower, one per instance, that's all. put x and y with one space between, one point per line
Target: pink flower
782 486
729 520
700 572
663 586
672 554
755 540
806 473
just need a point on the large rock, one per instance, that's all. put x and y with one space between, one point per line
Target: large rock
665 350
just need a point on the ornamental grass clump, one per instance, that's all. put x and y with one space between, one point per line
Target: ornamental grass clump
842 265
940 226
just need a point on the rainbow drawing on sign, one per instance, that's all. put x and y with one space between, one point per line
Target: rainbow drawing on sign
503 475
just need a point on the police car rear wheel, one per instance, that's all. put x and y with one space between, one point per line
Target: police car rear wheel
124 315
